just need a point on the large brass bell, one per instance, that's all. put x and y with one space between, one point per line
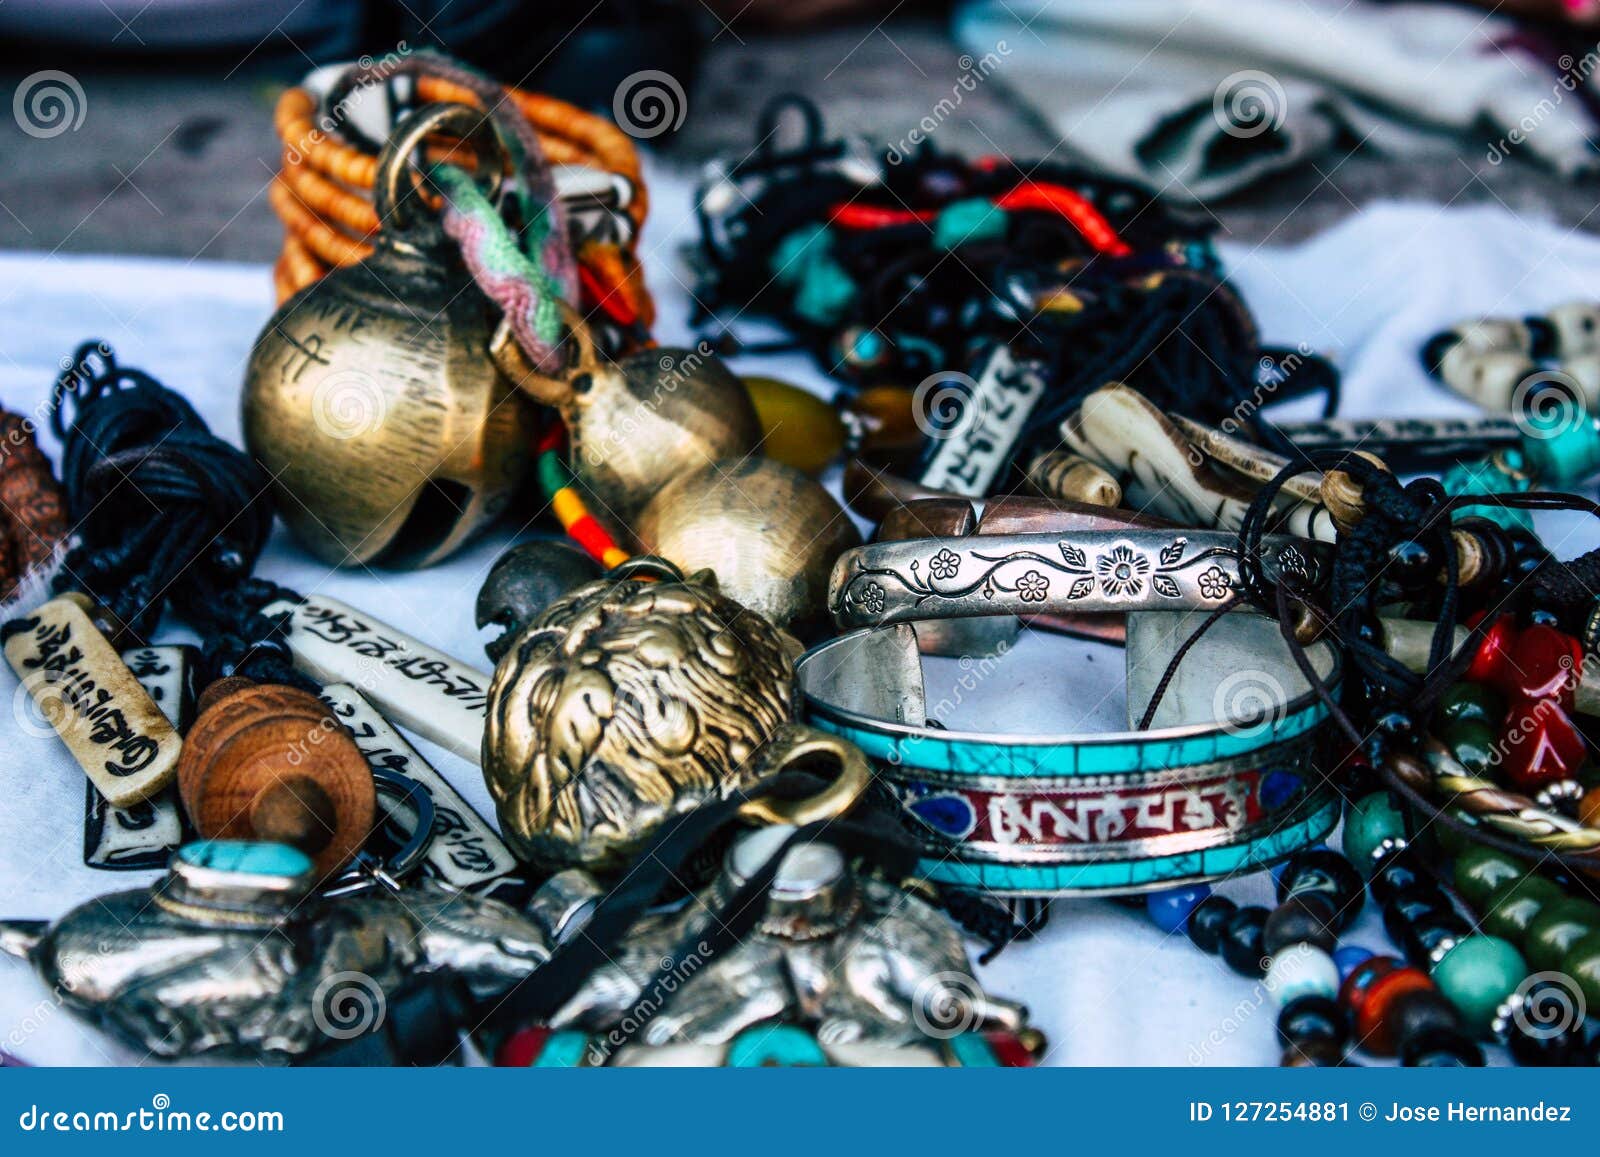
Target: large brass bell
371 397
641 421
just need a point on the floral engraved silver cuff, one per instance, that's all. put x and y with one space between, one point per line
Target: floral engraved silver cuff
1029 574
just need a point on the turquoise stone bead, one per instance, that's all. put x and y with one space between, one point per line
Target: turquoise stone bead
1567 458
564 1050
775 1046
1477 975
1479 872
1371 820
256 859
1486 476
963 221
1514 906
1582 963
1556 929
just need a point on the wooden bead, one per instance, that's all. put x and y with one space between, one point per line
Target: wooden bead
269 762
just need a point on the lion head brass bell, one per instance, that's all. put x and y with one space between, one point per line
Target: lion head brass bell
628 702
371 397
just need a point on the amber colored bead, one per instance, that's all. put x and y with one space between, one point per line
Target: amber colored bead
1375 1020
888 416
1589 808
1543 663
1542 745
799 429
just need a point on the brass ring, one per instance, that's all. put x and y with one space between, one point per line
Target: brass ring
798 741
393 202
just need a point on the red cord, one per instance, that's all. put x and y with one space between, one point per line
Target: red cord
1038 196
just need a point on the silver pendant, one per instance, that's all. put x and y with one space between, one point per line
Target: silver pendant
231 954
852 959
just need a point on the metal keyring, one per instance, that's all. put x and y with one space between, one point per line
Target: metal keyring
395 203
366 870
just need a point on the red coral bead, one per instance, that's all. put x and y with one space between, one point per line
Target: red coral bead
1542 745
522 1048
1374 1032
1494 651
1543 664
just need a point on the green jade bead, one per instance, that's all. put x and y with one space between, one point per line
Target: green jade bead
1514 906
1479 872
1473 702
1472 742
1582 963
1556 929
1371 820
1477 976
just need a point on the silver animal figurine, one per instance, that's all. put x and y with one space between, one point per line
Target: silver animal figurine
853 959
230 954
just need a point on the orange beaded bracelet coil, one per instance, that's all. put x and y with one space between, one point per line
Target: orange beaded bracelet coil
323 192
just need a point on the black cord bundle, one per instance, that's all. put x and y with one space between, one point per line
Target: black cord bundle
166 514
1160 318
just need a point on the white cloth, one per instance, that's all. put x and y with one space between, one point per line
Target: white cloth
1103 983
1199 98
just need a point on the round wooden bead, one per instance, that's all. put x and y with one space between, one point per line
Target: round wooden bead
1300 920
268 762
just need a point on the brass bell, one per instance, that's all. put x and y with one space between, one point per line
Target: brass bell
371 397
641 421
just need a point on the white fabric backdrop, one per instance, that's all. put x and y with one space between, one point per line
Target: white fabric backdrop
1103 983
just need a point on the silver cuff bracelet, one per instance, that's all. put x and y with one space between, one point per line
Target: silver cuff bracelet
1032 574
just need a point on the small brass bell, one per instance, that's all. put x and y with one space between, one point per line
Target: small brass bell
371 397
641 421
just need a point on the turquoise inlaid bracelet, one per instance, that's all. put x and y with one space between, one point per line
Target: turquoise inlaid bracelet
1226 781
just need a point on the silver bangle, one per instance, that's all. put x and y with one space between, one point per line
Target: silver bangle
1031 574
